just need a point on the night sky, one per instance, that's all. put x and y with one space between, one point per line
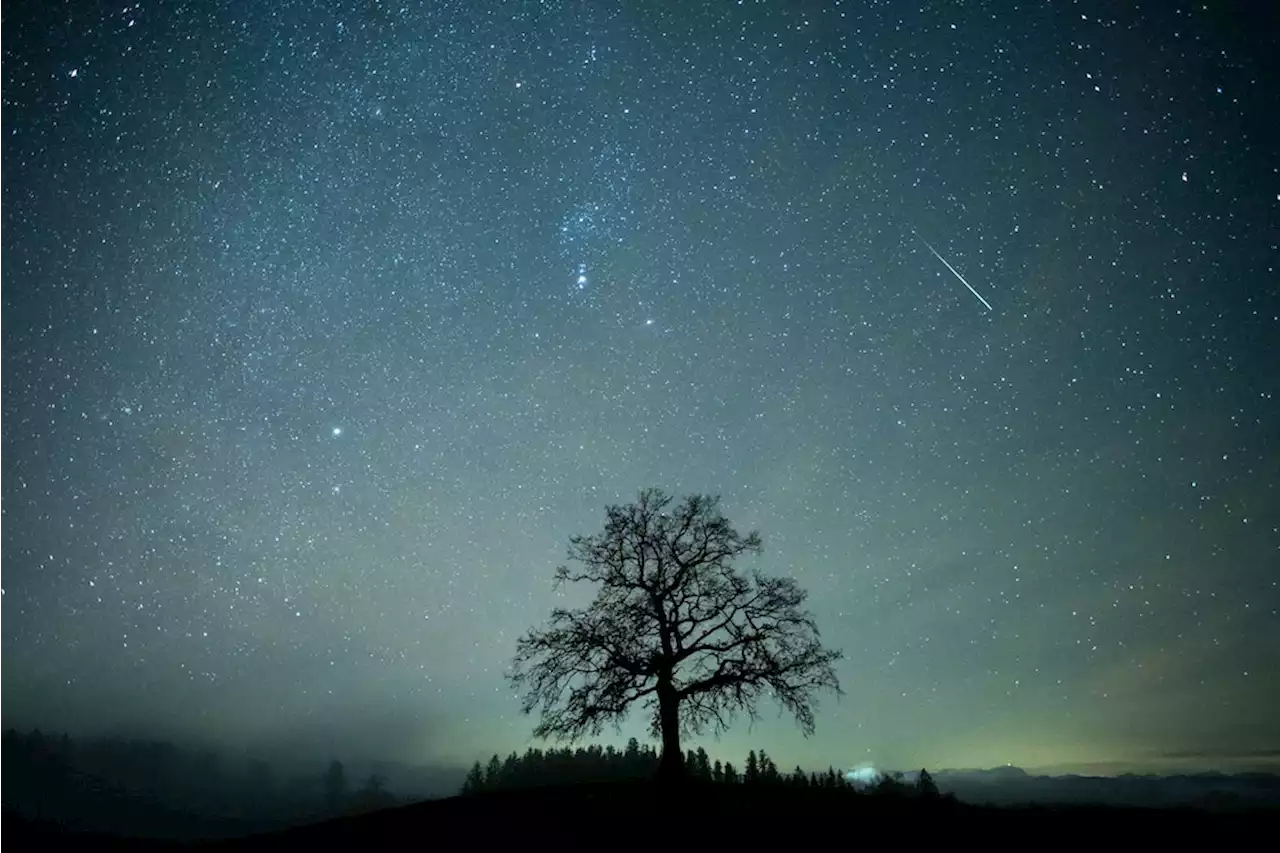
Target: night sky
326 325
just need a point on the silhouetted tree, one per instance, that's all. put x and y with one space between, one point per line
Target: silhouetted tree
751 776
891 785
674 627
335 785
925 786
799 778
701 769
474 783
731 776
511 769
769 774
493 773
373 795
717 772
631 755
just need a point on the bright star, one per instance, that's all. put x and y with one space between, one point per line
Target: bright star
337 431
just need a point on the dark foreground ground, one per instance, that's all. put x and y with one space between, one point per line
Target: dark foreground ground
640 815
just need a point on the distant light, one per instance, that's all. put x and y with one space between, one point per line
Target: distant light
337 431
863 774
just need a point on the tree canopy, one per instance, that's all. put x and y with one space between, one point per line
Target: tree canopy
674 628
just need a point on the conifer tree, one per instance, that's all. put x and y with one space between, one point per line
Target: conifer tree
493 773
701 769
925 786
474 783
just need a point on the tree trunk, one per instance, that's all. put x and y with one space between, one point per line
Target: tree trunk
671 766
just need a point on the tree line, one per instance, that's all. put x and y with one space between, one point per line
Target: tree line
539 768
152 787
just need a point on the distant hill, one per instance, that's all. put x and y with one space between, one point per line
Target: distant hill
1013 785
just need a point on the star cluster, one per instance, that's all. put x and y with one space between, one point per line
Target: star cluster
325 325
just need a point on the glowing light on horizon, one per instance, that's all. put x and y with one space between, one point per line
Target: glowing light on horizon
863 774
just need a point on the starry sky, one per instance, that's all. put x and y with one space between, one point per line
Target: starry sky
325 325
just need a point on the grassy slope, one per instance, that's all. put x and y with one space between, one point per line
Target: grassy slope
633 815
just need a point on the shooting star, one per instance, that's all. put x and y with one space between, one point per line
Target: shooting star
953 271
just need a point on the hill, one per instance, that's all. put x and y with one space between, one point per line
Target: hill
633 815
643 815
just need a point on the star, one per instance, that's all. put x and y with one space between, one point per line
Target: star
461 231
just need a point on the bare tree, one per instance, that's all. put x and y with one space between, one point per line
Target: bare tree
673 627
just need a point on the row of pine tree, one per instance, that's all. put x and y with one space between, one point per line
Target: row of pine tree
538 768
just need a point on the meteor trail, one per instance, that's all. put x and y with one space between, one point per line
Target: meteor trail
953 271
